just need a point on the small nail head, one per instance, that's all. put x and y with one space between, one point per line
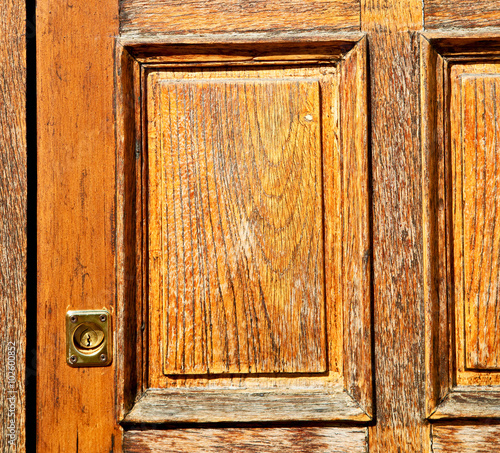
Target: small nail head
73 318
103 357
73 359
102 318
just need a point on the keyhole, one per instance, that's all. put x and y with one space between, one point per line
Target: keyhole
88 336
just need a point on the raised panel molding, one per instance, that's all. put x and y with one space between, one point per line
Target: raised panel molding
460 97
480 99
236 221
243 250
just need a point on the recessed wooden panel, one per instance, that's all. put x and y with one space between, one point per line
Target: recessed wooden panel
235 224
249 185
474 239
460 92
481 214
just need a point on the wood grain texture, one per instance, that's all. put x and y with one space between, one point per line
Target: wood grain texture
130 331
467 402
466 438
384 15
235 223
13 203
464 195
243 405
344 160
452 135
217 16
464 43
327 77
356 244
271 440
76 217
481 134
436 221
397 226
453 14
240 48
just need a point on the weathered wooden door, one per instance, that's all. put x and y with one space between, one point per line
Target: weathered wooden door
288 209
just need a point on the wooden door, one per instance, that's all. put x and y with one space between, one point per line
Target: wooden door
288 209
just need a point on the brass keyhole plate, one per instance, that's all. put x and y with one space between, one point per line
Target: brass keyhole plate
88 338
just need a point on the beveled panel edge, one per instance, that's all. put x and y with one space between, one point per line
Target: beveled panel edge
356 285
468 404
469 43
236 48
130 68
159 406
437 49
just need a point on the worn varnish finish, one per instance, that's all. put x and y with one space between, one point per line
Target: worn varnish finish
271 440
469 402
278 72
216 16
453 14
472 154
13 182
194 405
436 233
458 131
355 285
466 438
236 224
413 223
480 146
397 226
254 258
76 217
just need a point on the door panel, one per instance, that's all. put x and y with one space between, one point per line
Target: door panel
460 114
236 222
251 184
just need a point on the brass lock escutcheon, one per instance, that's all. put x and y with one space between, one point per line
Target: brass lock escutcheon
88 341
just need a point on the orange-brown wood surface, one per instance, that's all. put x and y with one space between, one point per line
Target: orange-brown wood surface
466 438
453 14
354 237
13 204
459 159
397 225
274 254
254 242
198 16
196 158
436 221
472 132
221 165
481 210
272 440
235 223
76 216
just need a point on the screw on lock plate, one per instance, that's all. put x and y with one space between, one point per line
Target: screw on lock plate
88 338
